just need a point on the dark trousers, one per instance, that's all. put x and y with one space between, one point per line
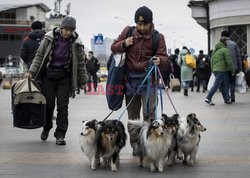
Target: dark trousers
203 83
222 83
134 111
92 74
57 91
232 86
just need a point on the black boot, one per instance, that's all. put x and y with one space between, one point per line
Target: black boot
44 135
185 92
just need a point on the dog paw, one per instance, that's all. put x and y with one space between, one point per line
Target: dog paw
160 169
170 164
189 163
93 167
180 157
114 170
152 168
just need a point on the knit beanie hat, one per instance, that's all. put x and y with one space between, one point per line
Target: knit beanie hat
143 14
36 25
68 22
225 33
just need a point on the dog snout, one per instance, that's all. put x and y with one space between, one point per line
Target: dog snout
81 134
111 137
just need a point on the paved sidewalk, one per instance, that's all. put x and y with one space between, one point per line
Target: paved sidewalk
224 149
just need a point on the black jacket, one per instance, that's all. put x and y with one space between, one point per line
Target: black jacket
92 65
205 72
30 45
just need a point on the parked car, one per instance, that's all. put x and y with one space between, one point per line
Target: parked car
14 72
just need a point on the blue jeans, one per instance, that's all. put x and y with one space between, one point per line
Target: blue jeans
222 83
185 84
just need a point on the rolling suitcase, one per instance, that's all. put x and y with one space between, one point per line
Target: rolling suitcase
174 83
28 105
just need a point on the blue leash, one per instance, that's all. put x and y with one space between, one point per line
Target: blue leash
148 74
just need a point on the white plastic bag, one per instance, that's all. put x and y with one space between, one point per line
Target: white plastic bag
211 82
241 85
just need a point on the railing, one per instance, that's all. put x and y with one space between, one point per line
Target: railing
15 21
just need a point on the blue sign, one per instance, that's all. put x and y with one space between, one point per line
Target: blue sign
98 39
192 50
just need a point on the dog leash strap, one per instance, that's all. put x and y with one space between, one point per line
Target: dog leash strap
148 74
165 88
161 100
148 93
156 93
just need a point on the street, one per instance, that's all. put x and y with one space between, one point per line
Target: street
223 152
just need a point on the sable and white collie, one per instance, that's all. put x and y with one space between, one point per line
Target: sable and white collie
188 138
86 139
154 141
172 123
110 138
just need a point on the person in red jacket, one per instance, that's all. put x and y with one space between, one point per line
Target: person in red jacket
138 48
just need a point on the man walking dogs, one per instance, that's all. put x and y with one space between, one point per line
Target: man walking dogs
139 49
58 63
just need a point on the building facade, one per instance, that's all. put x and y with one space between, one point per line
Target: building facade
15 22
219 15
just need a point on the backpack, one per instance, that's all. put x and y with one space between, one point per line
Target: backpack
116 70
202 63
190 61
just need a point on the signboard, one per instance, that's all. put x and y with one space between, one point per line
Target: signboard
98 39
192 50
14 30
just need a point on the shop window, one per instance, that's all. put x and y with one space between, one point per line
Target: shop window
239 35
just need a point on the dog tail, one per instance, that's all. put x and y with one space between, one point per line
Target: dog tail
135 122
134 127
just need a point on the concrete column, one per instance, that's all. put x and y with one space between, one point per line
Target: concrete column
215 36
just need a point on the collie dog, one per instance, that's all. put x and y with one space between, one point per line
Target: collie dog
172 123
188 138
154 141
86 139
110 138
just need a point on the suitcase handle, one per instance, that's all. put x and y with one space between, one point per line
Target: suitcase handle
171 77
29 84
30 97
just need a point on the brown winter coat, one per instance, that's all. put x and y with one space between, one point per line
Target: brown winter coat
140 52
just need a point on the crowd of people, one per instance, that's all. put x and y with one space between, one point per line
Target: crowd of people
225 61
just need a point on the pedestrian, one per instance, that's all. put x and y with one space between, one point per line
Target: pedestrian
32 42
176 67
139 52
244 57
92 66
203 71
186 71
236 59
59 62
221 64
